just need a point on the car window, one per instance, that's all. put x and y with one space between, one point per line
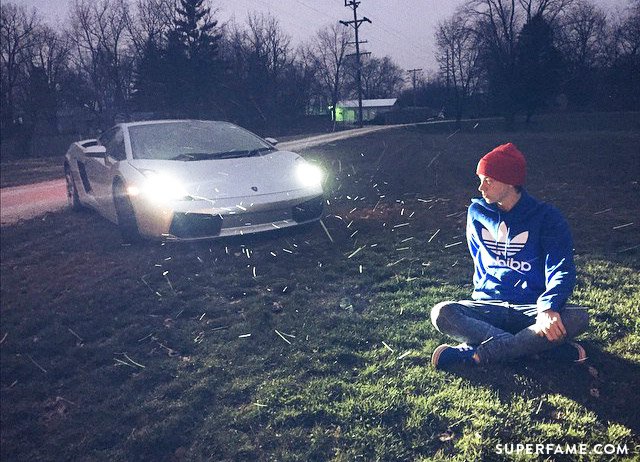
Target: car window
107 136
191 140
113 141
115 148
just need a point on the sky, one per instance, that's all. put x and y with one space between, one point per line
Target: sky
401 29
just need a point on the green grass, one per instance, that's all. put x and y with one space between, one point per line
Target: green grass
114 352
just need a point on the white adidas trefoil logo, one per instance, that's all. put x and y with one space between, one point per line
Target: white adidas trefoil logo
504 248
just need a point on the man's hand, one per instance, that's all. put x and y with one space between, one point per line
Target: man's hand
549 324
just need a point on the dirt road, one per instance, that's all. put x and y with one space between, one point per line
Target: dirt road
28 201
24 202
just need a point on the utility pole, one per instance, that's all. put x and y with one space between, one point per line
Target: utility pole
413 73
356 23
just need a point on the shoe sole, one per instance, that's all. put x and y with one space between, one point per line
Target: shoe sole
436 354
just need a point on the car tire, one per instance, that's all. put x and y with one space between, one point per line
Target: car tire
72 191
126 215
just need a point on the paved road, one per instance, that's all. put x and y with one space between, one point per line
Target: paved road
29 201
309 142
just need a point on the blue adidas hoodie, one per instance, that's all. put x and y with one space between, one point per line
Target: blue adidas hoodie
523 256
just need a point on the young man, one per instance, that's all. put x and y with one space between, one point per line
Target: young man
524 274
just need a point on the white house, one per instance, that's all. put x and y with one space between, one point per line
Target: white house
347 111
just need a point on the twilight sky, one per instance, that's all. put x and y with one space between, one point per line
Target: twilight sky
401 29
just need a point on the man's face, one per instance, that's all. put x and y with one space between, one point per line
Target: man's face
493 190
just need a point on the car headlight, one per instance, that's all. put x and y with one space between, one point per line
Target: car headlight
309 174
159 187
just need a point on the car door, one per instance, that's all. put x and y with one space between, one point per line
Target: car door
99 170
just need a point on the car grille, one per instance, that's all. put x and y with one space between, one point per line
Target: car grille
255 218
309 210
191 225
195 225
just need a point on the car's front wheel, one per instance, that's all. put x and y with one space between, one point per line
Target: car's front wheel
72 192
126 215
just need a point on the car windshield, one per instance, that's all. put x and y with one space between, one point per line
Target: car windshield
194 140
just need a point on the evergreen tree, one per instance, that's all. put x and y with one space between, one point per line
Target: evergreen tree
538 65
150 85
193 60
182 78
195 29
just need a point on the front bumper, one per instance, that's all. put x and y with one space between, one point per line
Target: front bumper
194 220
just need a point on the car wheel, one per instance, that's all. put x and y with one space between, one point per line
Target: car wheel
72 192
126 215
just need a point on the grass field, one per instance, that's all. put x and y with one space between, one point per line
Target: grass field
297 346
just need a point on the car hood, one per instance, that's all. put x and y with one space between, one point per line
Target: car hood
270 173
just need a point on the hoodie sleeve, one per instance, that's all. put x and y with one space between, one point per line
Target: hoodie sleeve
560 271
472 242
474 248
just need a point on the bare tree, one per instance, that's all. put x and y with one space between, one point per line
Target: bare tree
263 72
458 54
100 50
624 60
381 78
626 32
500 20
496 24
583 35
151 21
47 72
267 42
327 53
550 10
51 53
18 30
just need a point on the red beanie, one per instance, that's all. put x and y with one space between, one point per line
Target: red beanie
505 164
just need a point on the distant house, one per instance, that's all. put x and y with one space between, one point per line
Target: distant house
347 111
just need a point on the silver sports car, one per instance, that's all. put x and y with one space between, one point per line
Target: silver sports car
191 179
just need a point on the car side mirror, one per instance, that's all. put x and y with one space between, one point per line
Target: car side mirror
271 141
95 151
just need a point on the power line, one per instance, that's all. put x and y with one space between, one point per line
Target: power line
413 49
314 9
291 25
356 23
387 34
417 50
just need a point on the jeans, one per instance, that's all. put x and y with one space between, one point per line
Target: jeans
501 331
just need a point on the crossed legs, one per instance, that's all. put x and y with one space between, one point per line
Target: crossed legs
501 331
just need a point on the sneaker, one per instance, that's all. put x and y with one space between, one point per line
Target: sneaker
447 355
568 351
